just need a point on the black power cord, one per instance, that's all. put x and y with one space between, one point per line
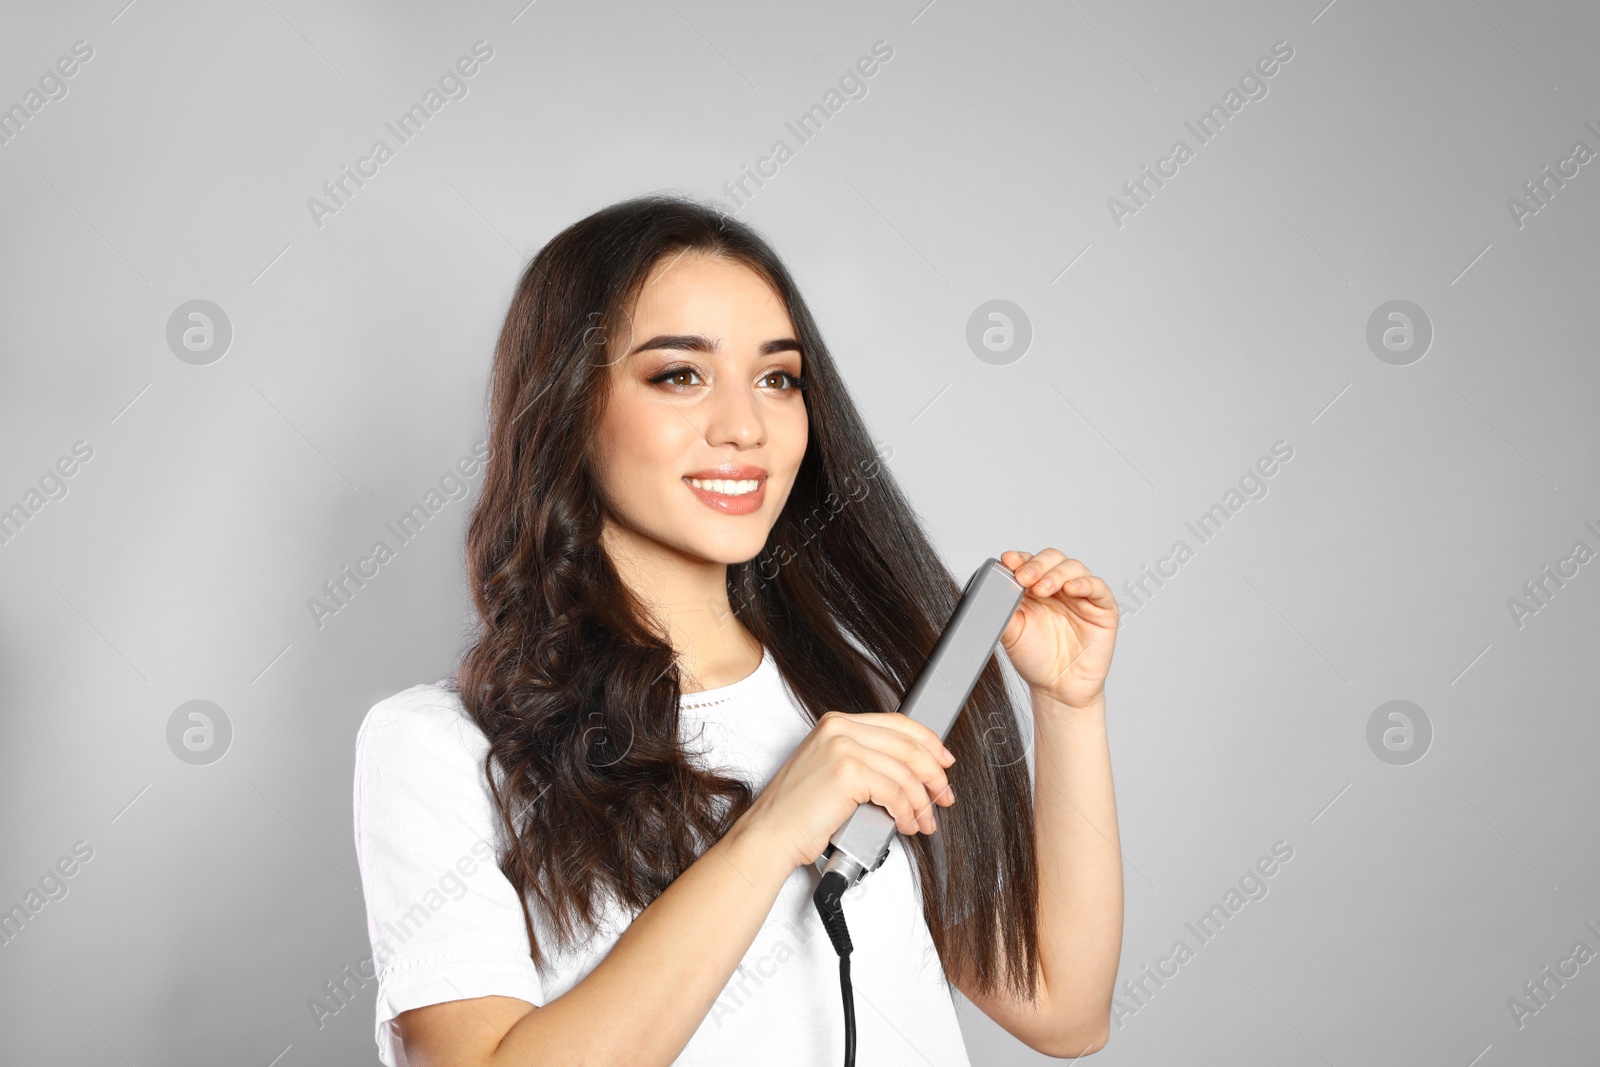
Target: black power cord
829 899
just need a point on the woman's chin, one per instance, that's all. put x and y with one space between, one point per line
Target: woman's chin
725 545
733 552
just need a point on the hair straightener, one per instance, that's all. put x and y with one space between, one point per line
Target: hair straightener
935 700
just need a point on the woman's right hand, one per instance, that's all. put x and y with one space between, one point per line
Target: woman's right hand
848 759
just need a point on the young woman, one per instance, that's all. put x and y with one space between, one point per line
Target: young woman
701 597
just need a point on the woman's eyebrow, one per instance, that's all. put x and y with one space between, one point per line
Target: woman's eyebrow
694 342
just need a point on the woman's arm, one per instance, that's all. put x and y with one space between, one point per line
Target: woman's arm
645 1000
1080 886
642 1002
1060 642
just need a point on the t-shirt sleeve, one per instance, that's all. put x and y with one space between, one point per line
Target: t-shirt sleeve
444 922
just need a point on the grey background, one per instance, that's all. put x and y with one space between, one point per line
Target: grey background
1167 356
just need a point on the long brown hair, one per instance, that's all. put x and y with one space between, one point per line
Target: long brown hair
577 689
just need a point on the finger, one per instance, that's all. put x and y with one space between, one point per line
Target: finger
1014 626
909 751
1035 566
873 773
910 803
1014 559
898 722
1058 576
902 723
916 744
1093 589
908 763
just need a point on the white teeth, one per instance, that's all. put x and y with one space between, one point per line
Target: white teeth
725 486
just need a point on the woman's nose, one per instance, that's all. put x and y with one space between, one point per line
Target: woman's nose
735 417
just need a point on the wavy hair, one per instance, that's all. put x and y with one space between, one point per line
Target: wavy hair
577 688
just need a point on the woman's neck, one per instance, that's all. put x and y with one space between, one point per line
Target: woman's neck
690 599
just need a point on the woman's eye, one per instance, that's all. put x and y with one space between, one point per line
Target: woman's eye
671 374
795 382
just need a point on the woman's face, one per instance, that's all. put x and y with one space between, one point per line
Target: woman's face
704 430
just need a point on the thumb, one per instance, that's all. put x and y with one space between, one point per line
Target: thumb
1014 626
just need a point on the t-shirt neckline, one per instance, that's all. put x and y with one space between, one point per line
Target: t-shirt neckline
732 689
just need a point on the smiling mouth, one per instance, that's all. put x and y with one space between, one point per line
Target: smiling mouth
727 486
730 496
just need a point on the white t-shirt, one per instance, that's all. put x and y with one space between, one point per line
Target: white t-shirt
445 923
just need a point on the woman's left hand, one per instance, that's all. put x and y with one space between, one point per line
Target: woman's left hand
1062 633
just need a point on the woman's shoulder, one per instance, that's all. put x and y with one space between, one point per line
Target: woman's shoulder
426 719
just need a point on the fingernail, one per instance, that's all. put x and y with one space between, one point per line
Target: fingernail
948 755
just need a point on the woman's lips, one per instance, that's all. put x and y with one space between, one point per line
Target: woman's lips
731 505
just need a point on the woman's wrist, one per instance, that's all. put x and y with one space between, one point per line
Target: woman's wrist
1051 706
754 852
